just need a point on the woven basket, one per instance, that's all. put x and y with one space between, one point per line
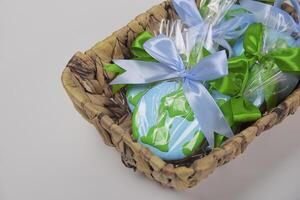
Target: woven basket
87 85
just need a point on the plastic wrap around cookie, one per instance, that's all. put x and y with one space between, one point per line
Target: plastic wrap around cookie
267 84
165 123
162 117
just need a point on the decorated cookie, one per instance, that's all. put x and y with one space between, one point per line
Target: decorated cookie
164 122
266 83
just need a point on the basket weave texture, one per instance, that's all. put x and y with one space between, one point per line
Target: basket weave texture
87 85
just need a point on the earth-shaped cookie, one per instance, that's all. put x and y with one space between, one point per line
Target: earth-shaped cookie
164 122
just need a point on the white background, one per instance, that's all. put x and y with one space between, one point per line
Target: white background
49 152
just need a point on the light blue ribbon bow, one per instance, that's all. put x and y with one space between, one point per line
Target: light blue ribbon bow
274 16
226 30
170 67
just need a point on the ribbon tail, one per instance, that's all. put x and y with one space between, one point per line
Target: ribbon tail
209 115
141 72
164 50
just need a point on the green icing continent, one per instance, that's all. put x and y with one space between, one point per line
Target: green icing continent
176 105
171 106
135 125
191 147
134 100
158 136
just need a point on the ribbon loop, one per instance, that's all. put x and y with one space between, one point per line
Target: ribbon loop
187 10
210 68
233 28
164 50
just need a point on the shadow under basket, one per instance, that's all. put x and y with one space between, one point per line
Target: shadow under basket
88 87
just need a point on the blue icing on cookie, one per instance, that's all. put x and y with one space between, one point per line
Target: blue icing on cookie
164 122
134 94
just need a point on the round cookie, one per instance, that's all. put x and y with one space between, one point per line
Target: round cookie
164 122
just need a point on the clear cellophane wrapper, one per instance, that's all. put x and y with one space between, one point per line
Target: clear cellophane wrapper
162 118
268 85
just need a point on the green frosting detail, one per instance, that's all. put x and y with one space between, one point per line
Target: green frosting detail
176 104
191 147
172 105
134 100
158 135
135 126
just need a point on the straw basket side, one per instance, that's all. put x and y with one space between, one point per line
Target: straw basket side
87 85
